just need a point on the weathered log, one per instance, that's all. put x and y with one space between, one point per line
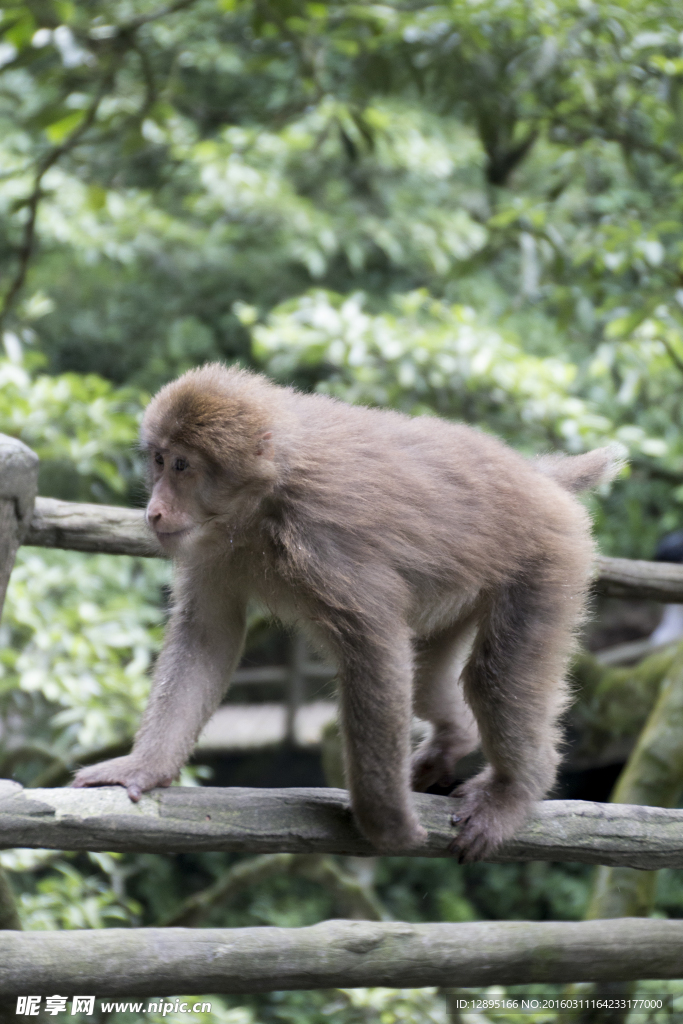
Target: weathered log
639 580
18 488
105 529
318 821
347 954
121 531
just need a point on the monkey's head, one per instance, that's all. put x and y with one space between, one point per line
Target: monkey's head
211 453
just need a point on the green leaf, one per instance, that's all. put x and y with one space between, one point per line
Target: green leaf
59 130
21 31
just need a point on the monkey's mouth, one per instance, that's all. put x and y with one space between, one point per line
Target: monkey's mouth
165 537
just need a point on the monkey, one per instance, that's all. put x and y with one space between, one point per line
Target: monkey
444 572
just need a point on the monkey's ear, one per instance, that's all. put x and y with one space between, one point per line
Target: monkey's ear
265 446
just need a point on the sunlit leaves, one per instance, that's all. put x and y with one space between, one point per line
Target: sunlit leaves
72 420
81 631
426 355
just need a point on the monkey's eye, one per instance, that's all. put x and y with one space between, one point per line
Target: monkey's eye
159 459
180 464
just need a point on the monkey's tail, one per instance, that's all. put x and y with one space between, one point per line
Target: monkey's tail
581 472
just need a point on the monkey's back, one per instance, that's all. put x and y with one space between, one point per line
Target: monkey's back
445 504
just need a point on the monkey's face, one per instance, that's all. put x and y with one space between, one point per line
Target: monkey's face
177 509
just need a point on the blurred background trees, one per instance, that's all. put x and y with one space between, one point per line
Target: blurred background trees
472 208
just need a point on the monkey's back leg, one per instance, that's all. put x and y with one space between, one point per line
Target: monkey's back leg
438 699
514 683
375 694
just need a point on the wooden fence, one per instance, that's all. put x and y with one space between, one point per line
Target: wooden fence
110 530
165 961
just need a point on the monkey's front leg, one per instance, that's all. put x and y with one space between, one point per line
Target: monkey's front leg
203 644
375 699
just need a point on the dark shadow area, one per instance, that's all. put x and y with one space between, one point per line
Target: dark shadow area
267 769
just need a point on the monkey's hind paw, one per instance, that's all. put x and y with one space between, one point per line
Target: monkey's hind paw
489 812
431 765
391 833
121 771
397 842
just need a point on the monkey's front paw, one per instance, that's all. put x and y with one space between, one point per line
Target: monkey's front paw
489 812
122 771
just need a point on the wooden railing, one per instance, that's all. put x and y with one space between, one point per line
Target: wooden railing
111 530
164 961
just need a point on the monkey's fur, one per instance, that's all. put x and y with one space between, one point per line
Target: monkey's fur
415 549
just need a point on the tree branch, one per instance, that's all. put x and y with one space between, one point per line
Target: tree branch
32 202
653 776
673 355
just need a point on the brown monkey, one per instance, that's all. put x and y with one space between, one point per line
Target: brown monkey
415 549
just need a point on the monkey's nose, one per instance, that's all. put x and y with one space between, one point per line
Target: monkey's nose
153 518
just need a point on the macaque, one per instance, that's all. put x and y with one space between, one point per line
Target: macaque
444 572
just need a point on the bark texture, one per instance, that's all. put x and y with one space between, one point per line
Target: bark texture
318 821
630 578
77 526
346 954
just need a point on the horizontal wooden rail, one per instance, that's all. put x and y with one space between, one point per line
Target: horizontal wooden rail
318 821
121 531
105 529
639 580
345 954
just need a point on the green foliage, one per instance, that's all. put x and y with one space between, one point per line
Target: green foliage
82 428
425 357
79 631
77 638
200 171
429 890
63 890
470 209
348 1006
